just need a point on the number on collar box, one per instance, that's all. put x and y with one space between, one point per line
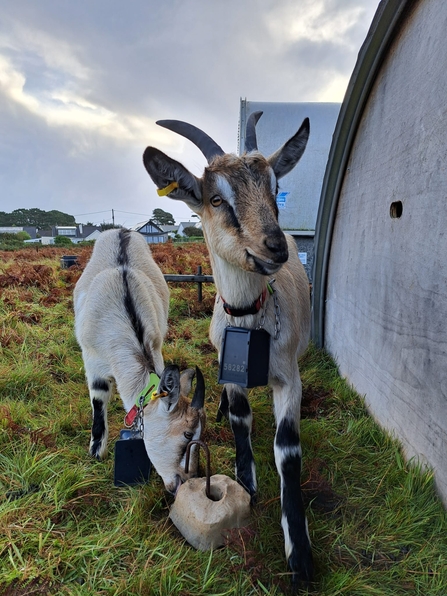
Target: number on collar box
244 357
132 464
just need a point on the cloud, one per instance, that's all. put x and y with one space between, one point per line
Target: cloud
82 84
62 105
311 20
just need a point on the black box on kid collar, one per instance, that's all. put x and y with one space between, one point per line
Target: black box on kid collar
245 357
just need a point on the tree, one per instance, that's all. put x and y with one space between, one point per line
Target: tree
36 217
12 241
23 236
62 241
191 232
163 218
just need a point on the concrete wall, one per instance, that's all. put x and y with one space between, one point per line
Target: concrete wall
385 299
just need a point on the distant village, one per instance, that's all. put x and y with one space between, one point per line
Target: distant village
153 233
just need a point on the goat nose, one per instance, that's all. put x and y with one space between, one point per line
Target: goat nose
277 245
176 485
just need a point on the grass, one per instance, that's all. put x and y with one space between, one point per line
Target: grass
376 524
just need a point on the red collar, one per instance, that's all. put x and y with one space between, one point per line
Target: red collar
254 308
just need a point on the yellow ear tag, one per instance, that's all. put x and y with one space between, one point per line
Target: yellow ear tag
156 395
162 192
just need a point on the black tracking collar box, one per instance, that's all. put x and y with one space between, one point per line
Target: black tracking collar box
245 356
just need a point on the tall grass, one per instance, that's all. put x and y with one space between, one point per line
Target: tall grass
376 524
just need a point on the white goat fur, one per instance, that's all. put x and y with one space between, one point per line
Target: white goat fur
235 199
121 308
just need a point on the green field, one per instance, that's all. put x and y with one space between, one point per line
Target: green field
376 524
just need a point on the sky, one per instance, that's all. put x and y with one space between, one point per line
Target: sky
82 84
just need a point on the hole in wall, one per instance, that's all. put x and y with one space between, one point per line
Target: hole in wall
396 209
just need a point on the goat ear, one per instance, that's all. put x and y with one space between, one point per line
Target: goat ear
286 158
165 172
170 384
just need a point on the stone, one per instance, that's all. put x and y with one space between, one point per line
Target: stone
203 521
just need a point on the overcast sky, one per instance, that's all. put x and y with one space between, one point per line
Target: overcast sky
82 84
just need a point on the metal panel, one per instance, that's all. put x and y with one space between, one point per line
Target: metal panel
300 190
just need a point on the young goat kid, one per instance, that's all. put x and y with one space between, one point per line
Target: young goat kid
236 201
121 309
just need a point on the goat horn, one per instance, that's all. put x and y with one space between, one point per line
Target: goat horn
251 143
198 400
207 146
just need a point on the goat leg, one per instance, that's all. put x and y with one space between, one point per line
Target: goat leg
223 411
240 420
293 520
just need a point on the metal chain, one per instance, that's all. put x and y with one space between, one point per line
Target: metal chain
138 424
277 312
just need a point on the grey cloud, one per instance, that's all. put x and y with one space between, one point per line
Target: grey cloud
185 59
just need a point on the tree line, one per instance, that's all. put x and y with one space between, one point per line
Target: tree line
46 219
37 218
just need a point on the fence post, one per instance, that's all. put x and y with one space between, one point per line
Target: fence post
199 284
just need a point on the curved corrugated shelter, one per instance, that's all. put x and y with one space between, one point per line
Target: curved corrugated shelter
380 274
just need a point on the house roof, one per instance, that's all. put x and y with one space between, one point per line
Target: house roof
189 224
94 235
137 227
81 231
87 230
31 230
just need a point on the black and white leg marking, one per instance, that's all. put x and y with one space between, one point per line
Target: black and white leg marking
293 520
100 391
223 411
240 417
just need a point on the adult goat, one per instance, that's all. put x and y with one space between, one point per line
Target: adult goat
236 201
121 309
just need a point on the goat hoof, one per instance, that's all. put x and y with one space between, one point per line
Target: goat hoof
95 452
249 487
302 568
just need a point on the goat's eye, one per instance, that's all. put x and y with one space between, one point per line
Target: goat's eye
188 435
216 201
